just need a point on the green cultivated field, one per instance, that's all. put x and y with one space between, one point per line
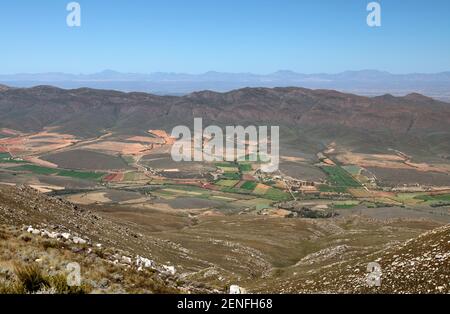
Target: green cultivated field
6 159
352 169
63 173
345 204
81 175
341 178
332 189
245 167
249 185
227 183
277 195
225 165
231 176
35 169
431 198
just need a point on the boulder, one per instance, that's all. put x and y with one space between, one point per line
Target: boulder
65 235
78 240
142 262
235 289
169 270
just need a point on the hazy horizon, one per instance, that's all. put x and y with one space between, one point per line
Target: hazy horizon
112 70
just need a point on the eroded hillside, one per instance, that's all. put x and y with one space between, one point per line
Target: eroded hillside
41 234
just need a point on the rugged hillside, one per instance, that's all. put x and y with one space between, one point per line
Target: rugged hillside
421 265
83 112
323 113
40 236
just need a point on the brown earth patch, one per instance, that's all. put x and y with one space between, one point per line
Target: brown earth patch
114 177
37 143
146 139
388 161
163 135
122 148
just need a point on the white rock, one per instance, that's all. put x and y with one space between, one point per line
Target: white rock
126 260
169 270
78 240
45 234
36 232
65 235
53 235
142 262
235 289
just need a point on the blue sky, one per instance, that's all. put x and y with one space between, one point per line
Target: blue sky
196 36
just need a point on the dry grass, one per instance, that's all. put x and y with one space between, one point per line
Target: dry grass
31 279
45 273
3 235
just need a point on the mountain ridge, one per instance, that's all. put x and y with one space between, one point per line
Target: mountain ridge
364 82
314 115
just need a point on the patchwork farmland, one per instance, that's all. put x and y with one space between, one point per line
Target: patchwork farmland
143 163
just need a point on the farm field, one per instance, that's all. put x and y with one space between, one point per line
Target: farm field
353 170
340 178
227 183
58 172
436 197
393 177
249 185
141 167
345 204
86 160
6 158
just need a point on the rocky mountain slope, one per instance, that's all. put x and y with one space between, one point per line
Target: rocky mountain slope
40 236
421 265
313 116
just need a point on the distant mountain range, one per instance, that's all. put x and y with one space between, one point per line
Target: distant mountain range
365 82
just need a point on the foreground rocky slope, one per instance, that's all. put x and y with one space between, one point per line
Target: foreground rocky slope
40 236
421 265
